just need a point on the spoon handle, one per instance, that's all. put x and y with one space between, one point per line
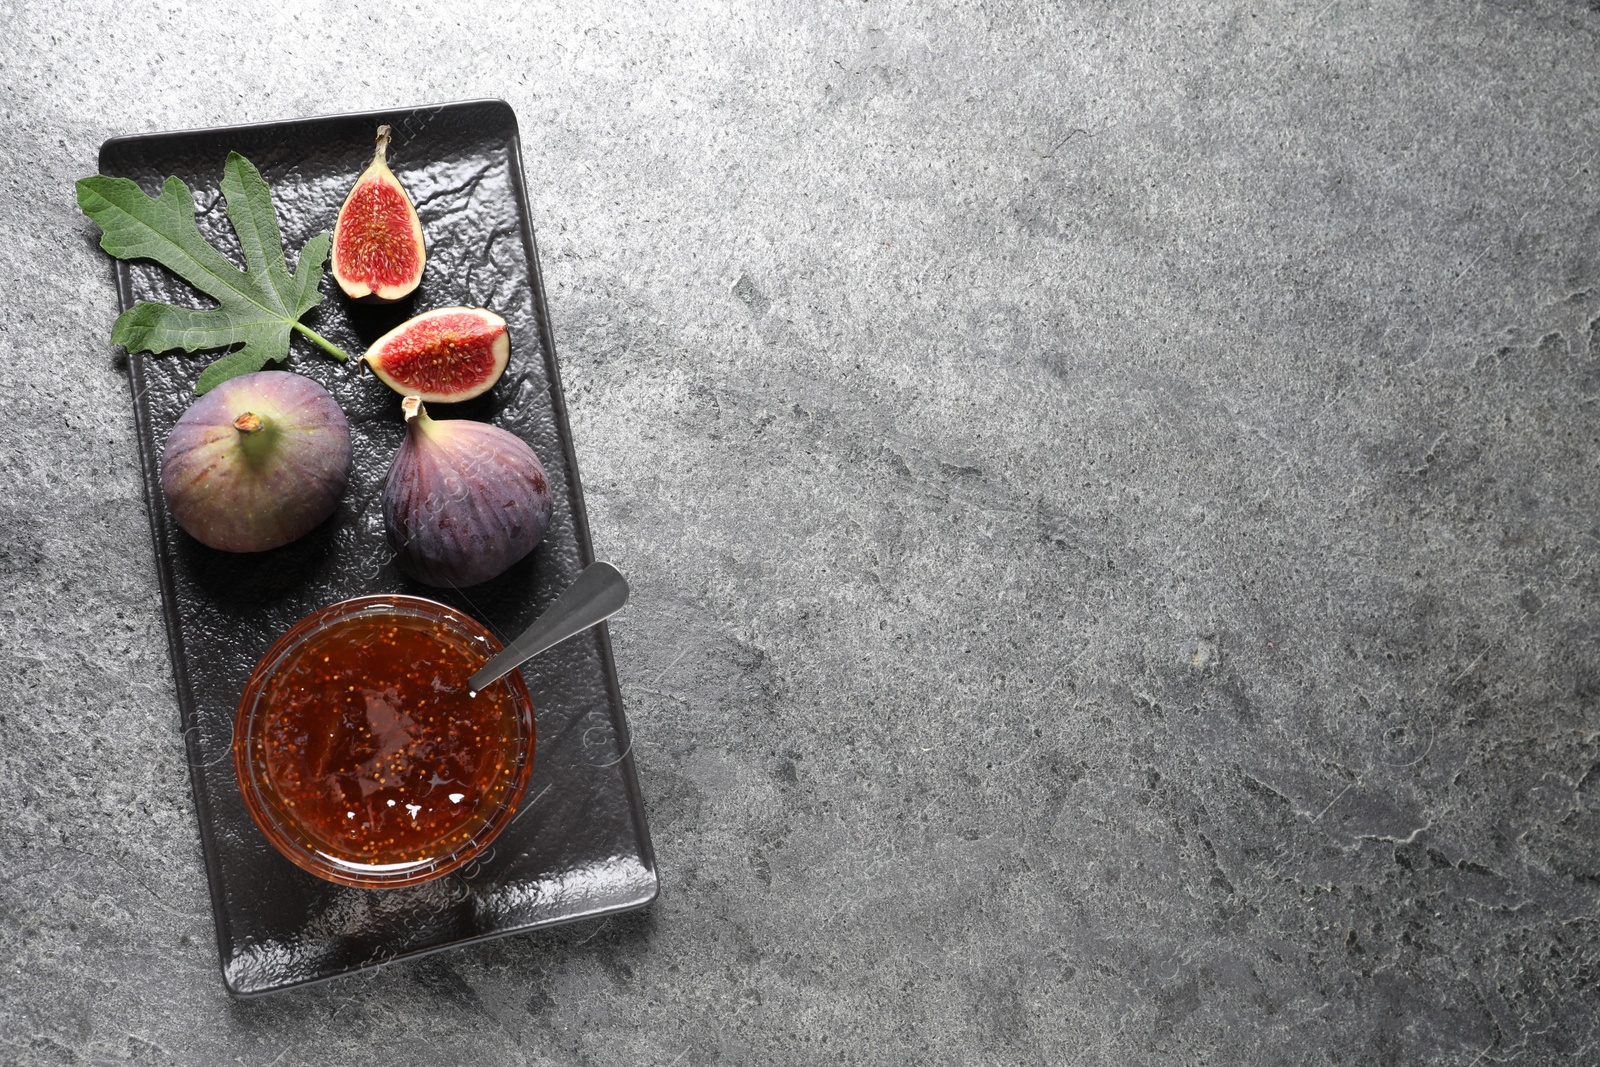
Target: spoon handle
598 594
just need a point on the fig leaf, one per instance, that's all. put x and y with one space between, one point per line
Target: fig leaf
257 308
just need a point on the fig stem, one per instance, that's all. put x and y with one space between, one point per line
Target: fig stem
323 343
258 438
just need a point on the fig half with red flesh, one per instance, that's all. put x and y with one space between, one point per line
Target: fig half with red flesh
443 356
378 253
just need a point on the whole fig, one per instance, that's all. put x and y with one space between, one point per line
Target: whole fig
463 500
256 462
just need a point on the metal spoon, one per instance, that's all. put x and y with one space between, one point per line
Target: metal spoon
598 594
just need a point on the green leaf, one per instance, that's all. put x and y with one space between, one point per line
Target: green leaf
257 307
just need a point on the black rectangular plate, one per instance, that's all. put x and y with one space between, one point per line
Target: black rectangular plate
579 846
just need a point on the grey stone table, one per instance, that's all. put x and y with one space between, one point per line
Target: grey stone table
1112 501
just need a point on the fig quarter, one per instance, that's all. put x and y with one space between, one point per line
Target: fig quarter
443 356
378 252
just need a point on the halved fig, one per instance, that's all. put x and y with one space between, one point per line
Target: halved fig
377 243
442 356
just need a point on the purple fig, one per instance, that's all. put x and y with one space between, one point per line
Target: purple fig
463 500
256 462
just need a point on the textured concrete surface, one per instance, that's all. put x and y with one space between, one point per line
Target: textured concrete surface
1111 495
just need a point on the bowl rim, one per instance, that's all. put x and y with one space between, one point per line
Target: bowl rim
268 818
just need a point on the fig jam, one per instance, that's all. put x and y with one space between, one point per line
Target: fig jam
363 757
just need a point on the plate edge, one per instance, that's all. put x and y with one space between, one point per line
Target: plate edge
641 827
117 141
637 904
150 472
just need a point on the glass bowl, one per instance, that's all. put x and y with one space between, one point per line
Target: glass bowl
360 755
